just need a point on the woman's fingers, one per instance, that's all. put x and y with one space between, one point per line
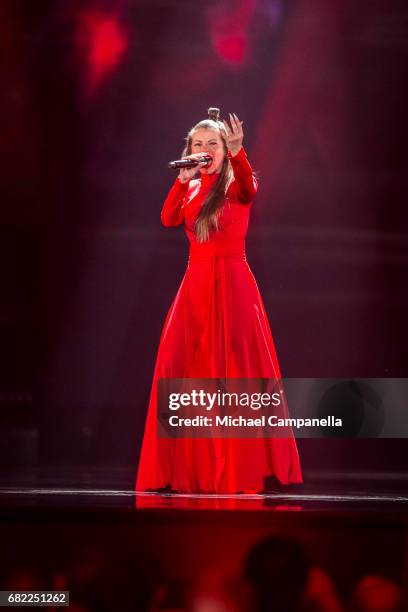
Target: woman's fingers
233 123
236 125
237 120
227 128
239 125
231 131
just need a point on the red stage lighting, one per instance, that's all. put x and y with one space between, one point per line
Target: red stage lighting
229 32
102 44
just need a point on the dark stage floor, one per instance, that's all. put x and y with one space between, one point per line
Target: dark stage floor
84 488
68 519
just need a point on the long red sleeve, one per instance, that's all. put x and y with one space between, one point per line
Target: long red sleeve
172 211
245 183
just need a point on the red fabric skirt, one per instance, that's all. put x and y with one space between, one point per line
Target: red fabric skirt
216 327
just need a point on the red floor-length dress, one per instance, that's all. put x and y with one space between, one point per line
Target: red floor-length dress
216 327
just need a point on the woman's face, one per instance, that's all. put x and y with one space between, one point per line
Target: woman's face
209 141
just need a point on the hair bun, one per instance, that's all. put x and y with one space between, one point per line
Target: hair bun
214 114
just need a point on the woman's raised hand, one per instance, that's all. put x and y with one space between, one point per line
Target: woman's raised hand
235 134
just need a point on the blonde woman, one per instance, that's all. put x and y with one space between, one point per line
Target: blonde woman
217 326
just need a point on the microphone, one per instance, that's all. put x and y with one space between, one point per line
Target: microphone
190 163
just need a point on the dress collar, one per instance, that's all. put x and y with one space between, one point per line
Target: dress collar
209 179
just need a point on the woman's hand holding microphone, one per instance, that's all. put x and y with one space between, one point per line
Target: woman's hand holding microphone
187 174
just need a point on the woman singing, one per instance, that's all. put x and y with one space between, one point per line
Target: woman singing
217 326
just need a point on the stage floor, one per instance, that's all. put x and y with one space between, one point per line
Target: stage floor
350 527
308 498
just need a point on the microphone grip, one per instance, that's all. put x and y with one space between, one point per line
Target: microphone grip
190 163
184 163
